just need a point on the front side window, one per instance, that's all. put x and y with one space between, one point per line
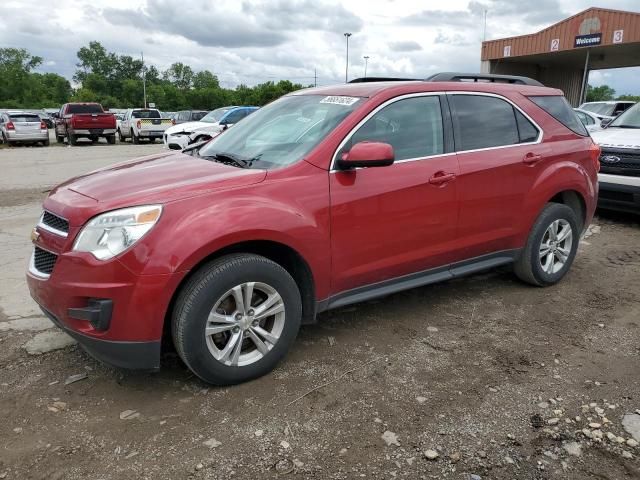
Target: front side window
282 132
234 117
484 122
412 126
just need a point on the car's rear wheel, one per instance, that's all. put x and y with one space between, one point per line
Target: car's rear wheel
551 247
236 318
59 139
72 139
111 139
134 138
120 136
45 143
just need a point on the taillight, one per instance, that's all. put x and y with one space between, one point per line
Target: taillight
43 126
173 121
139 124
595 152
10 126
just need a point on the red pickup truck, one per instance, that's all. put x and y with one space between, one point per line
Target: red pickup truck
85 120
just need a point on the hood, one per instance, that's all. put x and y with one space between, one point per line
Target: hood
154 179
615 137
187 127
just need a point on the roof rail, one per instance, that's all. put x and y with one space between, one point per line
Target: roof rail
482 77
383 79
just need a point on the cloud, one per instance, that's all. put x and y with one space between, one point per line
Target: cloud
405 46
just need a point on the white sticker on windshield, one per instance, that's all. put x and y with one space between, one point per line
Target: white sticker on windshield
340 100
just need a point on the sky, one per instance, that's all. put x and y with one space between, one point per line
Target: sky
254 41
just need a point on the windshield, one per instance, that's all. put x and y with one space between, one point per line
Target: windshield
628 119
145 114
215 115
284 131
599 108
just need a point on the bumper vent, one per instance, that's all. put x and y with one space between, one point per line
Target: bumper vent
55 222
44 261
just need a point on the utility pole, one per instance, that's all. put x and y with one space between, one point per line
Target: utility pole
315 77
144 82
366 61
484 32
346 70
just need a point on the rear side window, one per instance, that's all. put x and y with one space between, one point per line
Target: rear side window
90 108
559 108
526 130
25 118
483 122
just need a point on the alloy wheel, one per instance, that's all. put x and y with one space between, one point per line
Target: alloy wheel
555 247
245 324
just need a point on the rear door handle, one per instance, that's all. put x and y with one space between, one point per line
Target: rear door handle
531 158
440 178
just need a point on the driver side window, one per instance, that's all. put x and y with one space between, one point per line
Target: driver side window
412 126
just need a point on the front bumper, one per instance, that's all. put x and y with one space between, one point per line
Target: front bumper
131 335
120 354
618 192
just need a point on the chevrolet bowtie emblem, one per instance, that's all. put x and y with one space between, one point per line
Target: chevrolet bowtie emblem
35 235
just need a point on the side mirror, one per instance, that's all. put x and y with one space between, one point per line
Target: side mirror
605 122
367 154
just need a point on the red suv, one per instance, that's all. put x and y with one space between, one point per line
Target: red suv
326 197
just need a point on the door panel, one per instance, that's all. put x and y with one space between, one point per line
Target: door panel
400 219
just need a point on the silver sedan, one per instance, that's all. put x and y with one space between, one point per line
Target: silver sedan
23 127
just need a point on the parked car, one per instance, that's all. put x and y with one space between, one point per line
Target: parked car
143 123
47 119
212 124
608 110
619 176
85 120
323 198
590 120
188 116
23 127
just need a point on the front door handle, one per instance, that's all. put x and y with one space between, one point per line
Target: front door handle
440 178
531 158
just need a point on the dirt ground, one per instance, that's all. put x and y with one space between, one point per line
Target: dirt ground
476 378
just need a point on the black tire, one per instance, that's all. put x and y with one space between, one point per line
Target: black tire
72 139
134 138
111 139
120 136
46 143
528 266
152 140
59 139
197 299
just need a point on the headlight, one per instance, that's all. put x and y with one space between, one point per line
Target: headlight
111 233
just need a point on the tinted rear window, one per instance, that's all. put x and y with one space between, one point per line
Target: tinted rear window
145 114
195 116
24 118
89 108
559 108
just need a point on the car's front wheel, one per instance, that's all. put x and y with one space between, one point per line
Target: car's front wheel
236 318
551 247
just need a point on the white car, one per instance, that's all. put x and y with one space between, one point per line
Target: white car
619 177
607 110
139 123
590 120
212 124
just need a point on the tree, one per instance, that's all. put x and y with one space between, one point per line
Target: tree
180 75
626 96
601 93
205 79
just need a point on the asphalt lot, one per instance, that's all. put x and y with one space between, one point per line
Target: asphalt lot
482 377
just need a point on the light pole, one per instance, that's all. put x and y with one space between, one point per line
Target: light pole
366 61
346 70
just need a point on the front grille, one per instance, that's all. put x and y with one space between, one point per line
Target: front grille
56 222
628 163
44 261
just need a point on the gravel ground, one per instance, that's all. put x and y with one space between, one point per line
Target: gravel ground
476 378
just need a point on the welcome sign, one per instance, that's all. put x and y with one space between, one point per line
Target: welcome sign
587 40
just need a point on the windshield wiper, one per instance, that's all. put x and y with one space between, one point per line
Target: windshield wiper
228 158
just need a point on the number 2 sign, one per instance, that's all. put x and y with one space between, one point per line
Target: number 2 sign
555 44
